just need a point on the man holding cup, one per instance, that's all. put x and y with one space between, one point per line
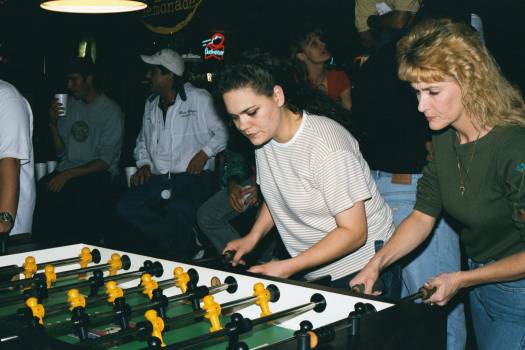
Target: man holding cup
86 133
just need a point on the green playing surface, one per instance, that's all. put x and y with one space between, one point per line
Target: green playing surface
263 334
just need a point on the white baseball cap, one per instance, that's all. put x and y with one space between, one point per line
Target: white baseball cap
167 58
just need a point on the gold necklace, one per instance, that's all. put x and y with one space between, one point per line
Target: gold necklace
463 181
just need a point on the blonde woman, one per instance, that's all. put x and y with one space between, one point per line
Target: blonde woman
477 175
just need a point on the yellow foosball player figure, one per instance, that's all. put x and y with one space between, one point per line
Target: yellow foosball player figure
51 275
37 309
181 279
263 297
85 257
157 324
75 299
148 285
113 291
213 311
29 267
115 263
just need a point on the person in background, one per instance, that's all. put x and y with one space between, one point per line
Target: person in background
175 156
317 187
17 184
396 149
237 197
377 21
310 55
73 200
476 174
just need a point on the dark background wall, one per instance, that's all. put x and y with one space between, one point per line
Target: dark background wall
38 43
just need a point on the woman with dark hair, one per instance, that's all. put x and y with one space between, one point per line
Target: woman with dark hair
316 185
310 55
476 174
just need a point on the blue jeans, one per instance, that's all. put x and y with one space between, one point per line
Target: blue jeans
167 222
440 253
498 314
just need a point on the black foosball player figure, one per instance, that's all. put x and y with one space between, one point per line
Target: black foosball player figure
96 281
360 309
305 339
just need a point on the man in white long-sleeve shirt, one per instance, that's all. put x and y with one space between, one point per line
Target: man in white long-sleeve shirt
175 154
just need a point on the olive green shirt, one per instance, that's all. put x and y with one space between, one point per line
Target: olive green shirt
492 209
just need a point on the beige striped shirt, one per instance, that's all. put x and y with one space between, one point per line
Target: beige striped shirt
307 181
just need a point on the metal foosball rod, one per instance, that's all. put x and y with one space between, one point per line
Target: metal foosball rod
154 268
161 302
307 338
95 282
116 263
83 320
240 325
142 329
423 293
86 256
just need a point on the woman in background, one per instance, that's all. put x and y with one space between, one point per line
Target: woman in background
310 55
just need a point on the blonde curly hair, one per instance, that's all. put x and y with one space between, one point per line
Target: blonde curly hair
442 50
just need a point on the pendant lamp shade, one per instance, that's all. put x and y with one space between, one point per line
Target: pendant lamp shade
93 6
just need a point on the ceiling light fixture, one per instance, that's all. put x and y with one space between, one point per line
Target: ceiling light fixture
93 6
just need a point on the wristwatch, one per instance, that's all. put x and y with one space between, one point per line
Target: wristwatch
5 216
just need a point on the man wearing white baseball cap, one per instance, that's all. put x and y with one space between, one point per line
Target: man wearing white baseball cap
175 154
167 58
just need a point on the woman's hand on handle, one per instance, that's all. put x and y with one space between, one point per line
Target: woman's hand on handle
447 285
367 277
241 247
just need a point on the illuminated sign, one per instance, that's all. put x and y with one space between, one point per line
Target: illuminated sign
169 16
214 47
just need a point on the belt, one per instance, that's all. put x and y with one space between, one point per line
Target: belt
396 178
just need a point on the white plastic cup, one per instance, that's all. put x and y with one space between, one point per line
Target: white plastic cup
130 171
62 99
40 170
51 165
246 197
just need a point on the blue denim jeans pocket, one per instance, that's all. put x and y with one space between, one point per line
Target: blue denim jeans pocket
516 287
498 313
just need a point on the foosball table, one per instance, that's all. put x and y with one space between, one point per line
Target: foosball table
88 297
